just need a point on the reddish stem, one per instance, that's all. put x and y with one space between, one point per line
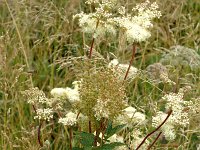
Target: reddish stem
169 113
92 45
90 127
91 48
39 134
34 108
154 141
131 61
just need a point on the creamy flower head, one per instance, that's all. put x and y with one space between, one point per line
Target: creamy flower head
130 111
72 95
58 92
70 119
136 28
113 63
133 115
139 117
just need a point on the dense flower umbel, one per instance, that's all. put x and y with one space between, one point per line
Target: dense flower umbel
102 95
130 116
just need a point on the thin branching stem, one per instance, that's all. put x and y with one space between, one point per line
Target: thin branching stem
169 113
154 141
93 39
131 61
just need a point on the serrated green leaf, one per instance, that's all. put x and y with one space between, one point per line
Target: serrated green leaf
86 139
111 131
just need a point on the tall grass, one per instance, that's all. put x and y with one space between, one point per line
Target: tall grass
35 35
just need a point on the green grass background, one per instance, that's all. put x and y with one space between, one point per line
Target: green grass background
36 34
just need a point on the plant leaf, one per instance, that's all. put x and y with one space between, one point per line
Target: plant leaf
86 139
111 131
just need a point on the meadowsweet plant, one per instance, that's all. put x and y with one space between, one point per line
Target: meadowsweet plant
95 109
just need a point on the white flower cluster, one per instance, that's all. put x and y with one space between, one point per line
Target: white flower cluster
131 116
179 117
104 21
99 22
44 114
167 128
70 119
122 68
71 94
137 27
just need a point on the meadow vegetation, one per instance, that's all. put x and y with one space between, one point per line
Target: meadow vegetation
44 50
